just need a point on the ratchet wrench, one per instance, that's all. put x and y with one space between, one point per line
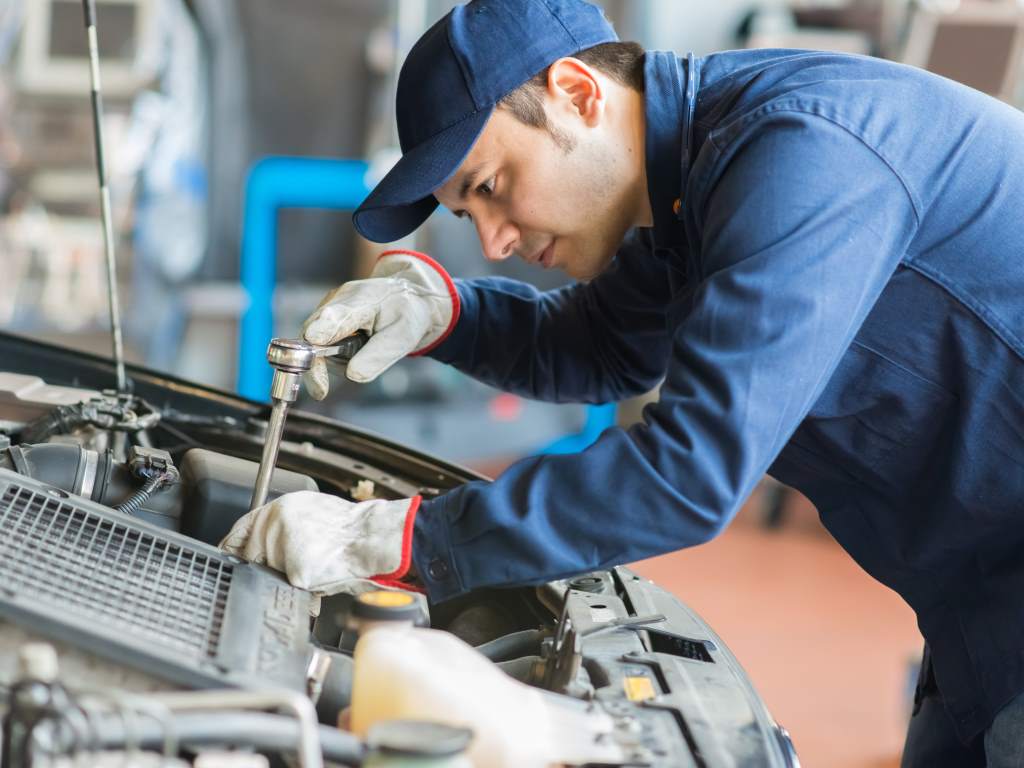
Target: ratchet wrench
290 358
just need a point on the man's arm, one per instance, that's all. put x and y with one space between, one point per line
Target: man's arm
598 342
802 230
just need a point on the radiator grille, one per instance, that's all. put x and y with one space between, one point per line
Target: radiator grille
114 576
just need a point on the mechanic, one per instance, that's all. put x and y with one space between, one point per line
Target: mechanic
820 256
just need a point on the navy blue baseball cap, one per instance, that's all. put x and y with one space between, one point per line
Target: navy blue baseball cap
448 88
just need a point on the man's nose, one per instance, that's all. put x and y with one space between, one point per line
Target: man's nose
498 237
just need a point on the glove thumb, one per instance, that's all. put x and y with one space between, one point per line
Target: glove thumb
334 322
316 379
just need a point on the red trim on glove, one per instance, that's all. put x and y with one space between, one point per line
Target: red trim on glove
408 586
452 292
393 579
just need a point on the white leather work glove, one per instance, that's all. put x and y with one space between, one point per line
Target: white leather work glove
408 306
326 544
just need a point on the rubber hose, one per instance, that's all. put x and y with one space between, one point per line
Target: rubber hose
336 693
528 669
514 645
65 466
260 730
63 419
54 464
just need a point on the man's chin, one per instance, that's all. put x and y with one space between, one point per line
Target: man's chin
586 273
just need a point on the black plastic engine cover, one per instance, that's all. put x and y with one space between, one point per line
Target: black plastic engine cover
217 489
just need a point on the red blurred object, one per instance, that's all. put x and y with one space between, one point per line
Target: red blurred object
506 407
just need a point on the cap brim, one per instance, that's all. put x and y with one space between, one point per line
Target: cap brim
404 198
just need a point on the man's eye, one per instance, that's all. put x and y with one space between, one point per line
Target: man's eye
487 187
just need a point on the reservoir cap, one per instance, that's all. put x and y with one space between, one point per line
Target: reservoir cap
387 605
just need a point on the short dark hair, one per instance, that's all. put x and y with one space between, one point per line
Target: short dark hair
622 62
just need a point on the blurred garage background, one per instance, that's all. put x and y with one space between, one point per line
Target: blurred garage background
209 101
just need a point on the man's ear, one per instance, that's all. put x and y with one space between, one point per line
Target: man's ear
578 86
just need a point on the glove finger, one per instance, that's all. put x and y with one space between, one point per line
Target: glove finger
236 539
387 347
316 380
335 322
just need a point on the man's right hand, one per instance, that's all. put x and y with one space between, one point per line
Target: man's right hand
408 306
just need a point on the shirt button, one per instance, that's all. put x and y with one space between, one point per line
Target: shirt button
437 569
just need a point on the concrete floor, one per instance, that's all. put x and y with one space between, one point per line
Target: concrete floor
830 650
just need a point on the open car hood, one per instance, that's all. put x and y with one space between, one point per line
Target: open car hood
145 602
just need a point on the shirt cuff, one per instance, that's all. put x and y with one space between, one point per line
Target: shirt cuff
459 340
431 551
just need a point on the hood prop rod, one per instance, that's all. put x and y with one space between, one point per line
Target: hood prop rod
89 8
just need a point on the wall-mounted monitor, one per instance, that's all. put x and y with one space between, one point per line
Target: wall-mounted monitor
53 55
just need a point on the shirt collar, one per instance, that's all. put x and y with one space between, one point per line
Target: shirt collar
665 99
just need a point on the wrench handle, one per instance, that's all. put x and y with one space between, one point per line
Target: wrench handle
349 346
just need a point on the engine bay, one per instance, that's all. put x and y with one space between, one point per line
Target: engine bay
111 509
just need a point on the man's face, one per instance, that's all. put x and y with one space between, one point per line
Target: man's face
551 201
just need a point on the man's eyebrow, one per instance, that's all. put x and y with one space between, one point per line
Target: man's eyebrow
468 181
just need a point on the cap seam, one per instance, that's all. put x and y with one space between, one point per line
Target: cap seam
561 23
462 119
462 66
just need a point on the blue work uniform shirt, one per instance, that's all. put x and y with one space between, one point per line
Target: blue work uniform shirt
839 301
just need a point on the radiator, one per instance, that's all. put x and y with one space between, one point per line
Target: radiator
134 594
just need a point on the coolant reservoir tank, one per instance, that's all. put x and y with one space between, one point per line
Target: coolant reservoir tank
412 673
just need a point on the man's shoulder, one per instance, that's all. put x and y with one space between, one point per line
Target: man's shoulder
765 70
891 108
852 90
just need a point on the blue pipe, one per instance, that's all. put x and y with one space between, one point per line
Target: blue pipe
274 183
598 419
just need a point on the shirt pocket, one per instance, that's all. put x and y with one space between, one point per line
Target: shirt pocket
877 421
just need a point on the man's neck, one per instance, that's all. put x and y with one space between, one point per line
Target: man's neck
635 129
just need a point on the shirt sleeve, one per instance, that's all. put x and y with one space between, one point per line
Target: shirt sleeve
597 342
801 231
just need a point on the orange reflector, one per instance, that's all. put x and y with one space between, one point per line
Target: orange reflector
638 688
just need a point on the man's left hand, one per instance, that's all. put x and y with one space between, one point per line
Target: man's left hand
326 544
